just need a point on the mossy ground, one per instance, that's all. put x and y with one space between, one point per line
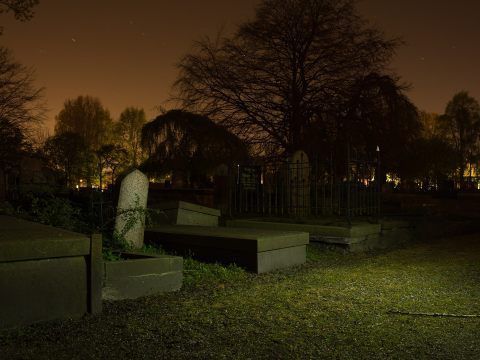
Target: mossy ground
336 306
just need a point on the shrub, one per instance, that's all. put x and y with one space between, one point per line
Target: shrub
56 211
6 208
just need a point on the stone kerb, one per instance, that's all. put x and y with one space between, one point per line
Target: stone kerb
132 207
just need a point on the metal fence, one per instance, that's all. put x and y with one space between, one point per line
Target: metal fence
101 212
304 189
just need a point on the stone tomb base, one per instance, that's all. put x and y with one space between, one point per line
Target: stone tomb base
360 237
185 213
256 250
47 273
139 274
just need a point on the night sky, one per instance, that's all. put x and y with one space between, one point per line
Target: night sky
124 52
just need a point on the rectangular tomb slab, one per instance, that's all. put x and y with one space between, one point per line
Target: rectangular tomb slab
256 250
47 273
358 230
185 213
25 240
141 274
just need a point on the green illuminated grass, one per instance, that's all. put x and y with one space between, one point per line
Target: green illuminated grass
333 307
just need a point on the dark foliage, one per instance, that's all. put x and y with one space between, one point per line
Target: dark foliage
460 126
67 153
378 113
189 145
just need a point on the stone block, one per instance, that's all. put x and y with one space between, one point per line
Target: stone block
46 289
141 275
281 258
46 273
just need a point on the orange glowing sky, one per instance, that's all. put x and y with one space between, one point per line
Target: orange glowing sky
124 52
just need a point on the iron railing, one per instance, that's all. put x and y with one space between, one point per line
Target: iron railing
304 190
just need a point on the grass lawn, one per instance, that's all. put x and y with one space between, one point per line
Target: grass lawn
336 306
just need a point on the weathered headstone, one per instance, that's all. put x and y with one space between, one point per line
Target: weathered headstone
299 174
131 210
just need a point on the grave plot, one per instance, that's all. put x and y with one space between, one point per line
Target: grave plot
137 274
47 273
256 250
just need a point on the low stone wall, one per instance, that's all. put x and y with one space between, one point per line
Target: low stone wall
139 274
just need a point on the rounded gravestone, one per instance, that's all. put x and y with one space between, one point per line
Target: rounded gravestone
131 210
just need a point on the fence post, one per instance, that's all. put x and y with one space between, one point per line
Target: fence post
379 185
349 220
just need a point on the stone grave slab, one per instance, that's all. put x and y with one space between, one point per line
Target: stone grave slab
256 250
355 231
185 213
359 237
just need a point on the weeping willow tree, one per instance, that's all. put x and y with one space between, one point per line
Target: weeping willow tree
189 146
378 113
460 126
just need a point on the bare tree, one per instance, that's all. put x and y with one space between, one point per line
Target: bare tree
289 67
128 129
20 110
20 101
67 154
20 106
86 117
21 9
110 156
